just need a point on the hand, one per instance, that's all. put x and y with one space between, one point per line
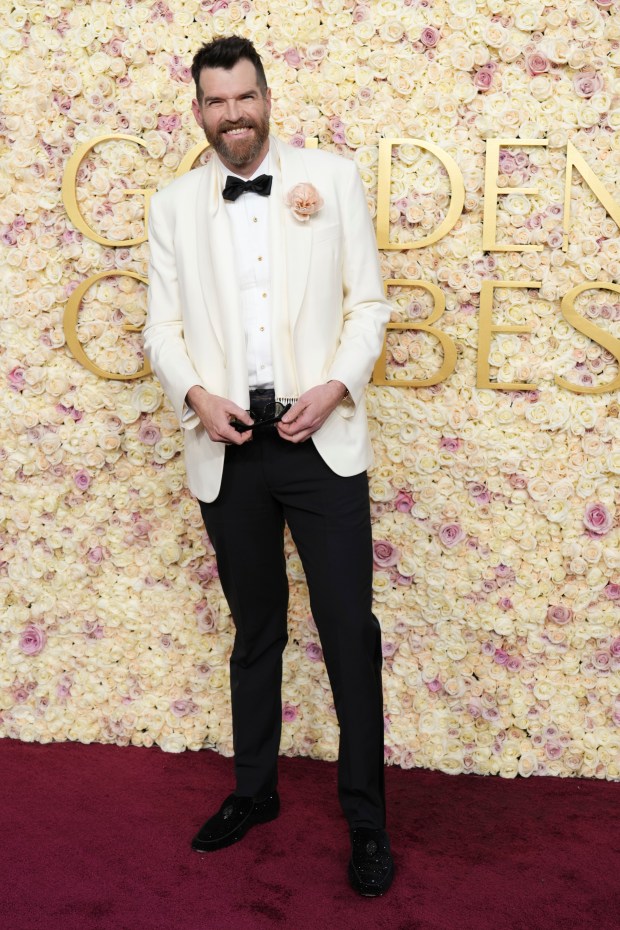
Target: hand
215 414
311 410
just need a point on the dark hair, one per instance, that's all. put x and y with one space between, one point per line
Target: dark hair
225 53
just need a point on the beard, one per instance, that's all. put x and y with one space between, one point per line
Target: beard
240 152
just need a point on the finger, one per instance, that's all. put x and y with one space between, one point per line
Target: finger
296 434
234 412
295 412
299 437
230 434
305 419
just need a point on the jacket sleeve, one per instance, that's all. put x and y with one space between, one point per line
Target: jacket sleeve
365 308
164 342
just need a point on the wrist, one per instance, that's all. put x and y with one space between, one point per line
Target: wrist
193 395
342 388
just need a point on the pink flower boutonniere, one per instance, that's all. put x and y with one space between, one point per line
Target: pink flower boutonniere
304 200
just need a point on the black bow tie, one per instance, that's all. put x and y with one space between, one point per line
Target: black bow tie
235 187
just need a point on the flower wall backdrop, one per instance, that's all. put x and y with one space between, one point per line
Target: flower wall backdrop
496 512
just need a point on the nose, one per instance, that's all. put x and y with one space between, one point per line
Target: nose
232 111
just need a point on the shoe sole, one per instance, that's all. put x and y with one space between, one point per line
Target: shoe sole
234 837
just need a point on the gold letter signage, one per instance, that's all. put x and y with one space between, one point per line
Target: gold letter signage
70 321
457 194
69 192
425 326
457 198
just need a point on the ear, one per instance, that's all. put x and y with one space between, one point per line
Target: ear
197 113
268 99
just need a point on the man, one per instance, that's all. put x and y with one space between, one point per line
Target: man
265 290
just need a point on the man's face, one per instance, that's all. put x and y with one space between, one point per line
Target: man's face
234 115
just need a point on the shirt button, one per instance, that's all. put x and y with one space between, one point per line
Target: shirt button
261 329
260 258
255 219
263 295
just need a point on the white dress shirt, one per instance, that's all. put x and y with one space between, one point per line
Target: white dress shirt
249 227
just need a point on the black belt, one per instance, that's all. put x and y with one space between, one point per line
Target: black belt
261 398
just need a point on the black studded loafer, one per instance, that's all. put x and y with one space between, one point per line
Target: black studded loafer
371 868
233 820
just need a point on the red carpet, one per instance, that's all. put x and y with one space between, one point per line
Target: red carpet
96 838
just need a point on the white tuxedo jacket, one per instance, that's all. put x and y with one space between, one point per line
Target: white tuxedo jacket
325 276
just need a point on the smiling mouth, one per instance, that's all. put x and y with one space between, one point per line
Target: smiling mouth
236 131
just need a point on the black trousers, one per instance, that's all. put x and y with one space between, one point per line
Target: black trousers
266 482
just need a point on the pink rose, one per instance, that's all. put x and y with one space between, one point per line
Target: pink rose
479 492
384 553
430 36
451 534
597 518
587 83
601 660
615 647
289 712
115 47
141 529
16 379
507 162
612 591
206 619
504 572
95 555
434 685
314 652
63 688
149 433
559 614
182 708
536 63
483 78
304 201
403 579
403 502
82 479
94 630
169 123
293 58
449 443
514 663
32 640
